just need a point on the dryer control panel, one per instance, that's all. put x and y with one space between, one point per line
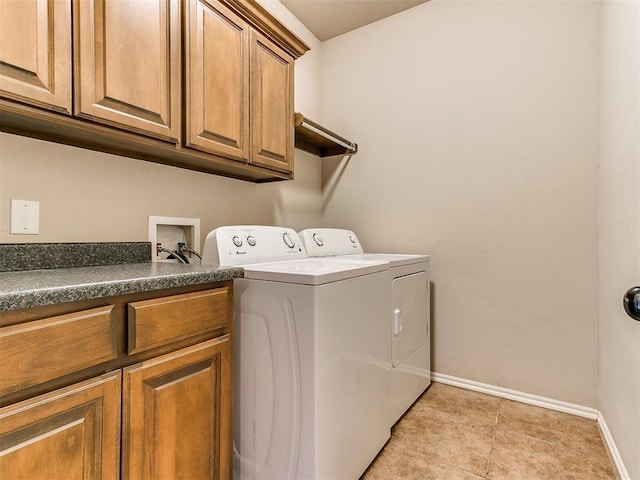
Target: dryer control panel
323 242
243 244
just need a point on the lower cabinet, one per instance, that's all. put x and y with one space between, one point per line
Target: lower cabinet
161 411
71 433
175 423
176 413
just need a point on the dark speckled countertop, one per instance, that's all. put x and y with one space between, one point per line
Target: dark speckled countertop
37 287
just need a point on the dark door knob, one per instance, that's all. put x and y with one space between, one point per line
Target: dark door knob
631 303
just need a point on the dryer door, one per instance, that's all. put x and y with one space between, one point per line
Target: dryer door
410 309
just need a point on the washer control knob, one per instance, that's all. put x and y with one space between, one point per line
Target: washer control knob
237 241
251 240
318 239
352 238
288 241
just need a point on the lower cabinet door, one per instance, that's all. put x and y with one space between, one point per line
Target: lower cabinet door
71 433
177 415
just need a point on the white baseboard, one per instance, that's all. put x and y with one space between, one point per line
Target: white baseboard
523 397
613 449
544 402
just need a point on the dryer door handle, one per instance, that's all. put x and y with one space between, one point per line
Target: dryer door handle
397 321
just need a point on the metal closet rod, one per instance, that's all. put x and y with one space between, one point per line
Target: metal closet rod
351 146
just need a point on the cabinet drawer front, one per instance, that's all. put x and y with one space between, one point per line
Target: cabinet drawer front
160 321
36 352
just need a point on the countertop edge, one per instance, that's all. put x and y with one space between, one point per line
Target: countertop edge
38 296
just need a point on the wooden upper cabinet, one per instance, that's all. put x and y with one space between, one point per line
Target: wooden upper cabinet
200 84
272 115
127 64
217 79
35 52
239 88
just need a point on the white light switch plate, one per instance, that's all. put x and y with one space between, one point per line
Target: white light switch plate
25 217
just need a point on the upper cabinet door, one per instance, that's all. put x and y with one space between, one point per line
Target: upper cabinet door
127 64
35 52
217 80
272 122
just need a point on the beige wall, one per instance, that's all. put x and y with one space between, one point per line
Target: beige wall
478 131
90 196
619 239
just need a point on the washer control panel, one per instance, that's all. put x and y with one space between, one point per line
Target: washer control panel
243 244
322 242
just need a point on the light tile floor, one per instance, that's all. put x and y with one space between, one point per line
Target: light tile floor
456 434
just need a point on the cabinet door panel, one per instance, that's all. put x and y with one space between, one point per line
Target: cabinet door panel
35 52
71 434
177 414
127 64
272 124
217 78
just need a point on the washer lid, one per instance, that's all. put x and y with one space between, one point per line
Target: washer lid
394 259
312 271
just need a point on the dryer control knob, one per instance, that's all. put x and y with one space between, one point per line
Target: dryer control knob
318 239
288 241
352 238
251 240
237 241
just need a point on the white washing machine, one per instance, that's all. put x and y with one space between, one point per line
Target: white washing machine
407 311
311 357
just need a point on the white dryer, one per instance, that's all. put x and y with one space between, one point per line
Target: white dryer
407 310
311 357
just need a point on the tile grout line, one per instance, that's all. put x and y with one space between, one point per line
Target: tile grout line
493 438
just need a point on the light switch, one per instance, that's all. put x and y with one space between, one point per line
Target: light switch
25 217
